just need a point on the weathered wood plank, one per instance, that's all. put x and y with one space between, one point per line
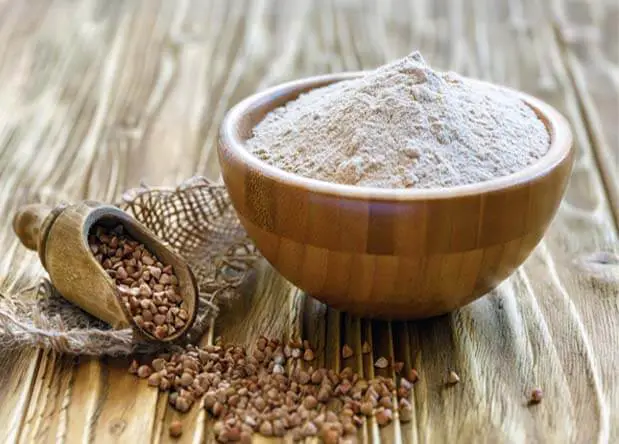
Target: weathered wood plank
589 34
17 378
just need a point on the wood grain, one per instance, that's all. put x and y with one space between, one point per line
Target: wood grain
589 34
98 95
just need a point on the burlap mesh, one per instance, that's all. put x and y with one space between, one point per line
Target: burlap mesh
196 219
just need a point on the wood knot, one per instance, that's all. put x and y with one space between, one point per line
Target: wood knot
117 426
601 265
601 258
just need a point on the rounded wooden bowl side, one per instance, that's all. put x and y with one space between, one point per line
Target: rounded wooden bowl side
396 256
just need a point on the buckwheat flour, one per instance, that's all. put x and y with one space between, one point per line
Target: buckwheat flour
403 125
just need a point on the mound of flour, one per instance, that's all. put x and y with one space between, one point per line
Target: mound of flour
403 125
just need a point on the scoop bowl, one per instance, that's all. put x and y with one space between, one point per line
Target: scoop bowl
390 253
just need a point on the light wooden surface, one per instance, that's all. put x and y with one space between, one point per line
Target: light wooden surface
97 95
390 254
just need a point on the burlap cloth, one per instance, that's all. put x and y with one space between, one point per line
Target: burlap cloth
196 219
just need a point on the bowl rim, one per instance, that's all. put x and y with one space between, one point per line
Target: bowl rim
561 143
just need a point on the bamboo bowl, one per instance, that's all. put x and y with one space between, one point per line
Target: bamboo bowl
390 253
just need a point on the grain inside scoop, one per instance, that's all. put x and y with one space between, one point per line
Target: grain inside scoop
61 237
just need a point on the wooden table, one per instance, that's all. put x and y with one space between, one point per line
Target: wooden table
98 95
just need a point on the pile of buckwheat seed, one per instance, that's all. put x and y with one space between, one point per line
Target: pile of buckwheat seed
148 288
275 391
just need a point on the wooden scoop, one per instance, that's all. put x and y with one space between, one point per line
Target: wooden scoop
60 235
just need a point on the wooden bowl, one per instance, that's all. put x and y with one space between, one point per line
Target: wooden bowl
390 253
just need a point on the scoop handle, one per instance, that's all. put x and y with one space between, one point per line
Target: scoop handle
27 224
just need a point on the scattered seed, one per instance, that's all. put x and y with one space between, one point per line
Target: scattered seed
405 384
165 385
231 434
536 396
383 417
259 403
154 379
172 399
308 355
405 410
182 404
324 394
453 378
266 428
331 418
158 364
259 355
144 371
176 429
347 352
262 344
218 409
186 380
346 373
366 408
310 403
317 377
250 395
303 377
330 436
309 429
412 376
350 429
366 348
381 363
278 428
